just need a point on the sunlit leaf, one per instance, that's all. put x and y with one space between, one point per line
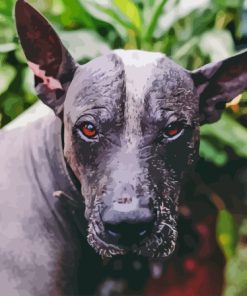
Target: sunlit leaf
75 11
7 31
185 49
7 47
28 86
6 7
84 44
20 56
179 10
230 3
42 5
131 11
7 74
236 268
226 233
217 44
155 11
229 132
105 12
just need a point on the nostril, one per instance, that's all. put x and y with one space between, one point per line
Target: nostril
142 232
113 230
128 233
112 233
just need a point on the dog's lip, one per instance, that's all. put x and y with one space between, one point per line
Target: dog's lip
146 248
111 249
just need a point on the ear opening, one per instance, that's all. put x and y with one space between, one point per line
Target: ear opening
46 56
219 83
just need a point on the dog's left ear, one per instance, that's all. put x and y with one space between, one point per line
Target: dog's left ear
51 63
219 83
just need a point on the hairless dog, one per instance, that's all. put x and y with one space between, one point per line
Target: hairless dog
110 161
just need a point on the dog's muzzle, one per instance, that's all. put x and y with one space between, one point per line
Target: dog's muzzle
129 227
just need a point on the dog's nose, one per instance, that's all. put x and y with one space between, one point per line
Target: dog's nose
127 233
128 228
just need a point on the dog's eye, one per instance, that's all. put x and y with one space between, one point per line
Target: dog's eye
174 129
88 129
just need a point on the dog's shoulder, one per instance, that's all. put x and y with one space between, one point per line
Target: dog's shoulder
17 138
21 152
32 114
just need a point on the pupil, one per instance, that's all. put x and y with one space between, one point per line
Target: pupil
90 126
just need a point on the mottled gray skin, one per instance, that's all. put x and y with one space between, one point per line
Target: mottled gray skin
131 172
39 244
131 96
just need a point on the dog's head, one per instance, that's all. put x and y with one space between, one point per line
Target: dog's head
131 131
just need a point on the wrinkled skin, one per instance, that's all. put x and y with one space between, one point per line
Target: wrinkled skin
130 172
131 103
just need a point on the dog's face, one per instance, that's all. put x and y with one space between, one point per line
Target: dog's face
131 131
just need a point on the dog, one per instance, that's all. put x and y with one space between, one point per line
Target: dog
109 164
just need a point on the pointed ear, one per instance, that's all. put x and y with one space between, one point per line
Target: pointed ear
219 83
51 63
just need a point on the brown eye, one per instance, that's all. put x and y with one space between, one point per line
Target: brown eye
88 129
173 129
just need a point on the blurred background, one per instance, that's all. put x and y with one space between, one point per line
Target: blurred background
192 33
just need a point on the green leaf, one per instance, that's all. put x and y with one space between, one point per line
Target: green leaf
217 44
157 12
84 44
107 14
184 12
13 105
226 233
28 86
7 47
230 3
7 74
185 49
212 153
7 31
228 132
131 11
236 275
6 7
76 12
236 268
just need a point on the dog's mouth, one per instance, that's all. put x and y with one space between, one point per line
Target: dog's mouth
158 243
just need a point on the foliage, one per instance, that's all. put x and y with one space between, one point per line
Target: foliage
190 33
226 233
236 270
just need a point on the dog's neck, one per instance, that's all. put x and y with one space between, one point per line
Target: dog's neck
63 175
53 175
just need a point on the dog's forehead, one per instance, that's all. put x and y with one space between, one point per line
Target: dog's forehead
135 73
152 81
145 71
139 67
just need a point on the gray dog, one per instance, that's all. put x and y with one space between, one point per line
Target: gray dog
111 163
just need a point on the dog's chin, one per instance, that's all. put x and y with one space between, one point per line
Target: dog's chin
156 246
160 244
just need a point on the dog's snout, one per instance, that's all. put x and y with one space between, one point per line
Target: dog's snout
128 228
127 233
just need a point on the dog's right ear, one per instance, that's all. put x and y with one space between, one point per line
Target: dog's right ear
218 83
51 63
